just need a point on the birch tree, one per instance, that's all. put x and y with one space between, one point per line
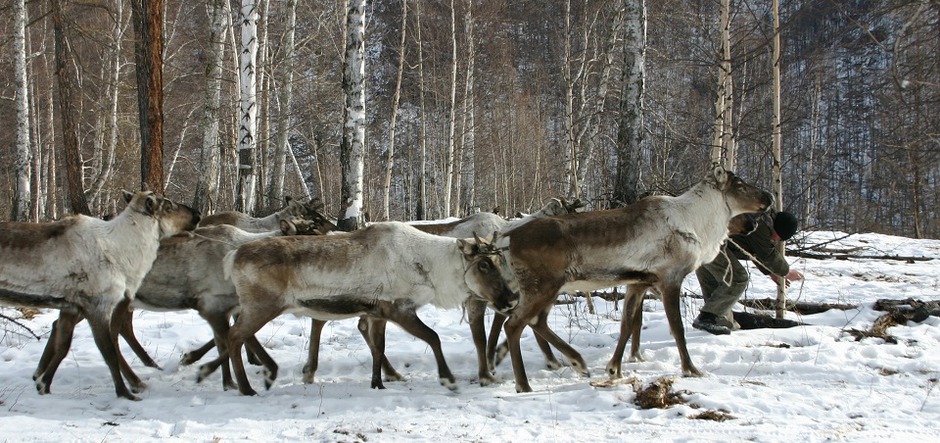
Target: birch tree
452 135
468 150
276 186
352 150
777 142
22 197
723 148
422 204
248 112
108 121
148 58
631 135
207 186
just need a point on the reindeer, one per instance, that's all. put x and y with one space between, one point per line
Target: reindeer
294 209
740 224
187 274
373 330
89 267
653 243
385 270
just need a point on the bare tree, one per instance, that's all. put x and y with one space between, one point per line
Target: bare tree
392 130
21 206
631 135
286 96
73 157
148 57
352 150
723 148
207 186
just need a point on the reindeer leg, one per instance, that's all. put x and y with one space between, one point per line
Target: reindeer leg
514 327
631 306
541 329
127 331
376 329
196 354
101 330
376 345
313 352
253 348
60 341
405 316
495 354
251 319
671 293
635 355
120 318
220 328
475 312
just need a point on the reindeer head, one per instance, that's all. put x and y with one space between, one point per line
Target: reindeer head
172 217
484 273
740 196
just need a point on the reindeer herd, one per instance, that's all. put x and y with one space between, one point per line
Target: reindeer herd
159 255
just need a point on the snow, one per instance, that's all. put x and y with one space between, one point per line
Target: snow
810 383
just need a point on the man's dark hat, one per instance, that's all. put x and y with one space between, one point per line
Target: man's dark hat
786 225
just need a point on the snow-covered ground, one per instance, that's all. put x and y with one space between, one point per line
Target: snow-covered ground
808 383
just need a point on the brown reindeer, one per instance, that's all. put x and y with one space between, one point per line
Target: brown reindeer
741 224
653 243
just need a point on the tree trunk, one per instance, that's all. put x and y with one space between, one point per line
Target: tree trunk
571 157
390 158
207 187
452 136
723 144
468 179
776 172
422 204
109 146
73 157
248 114
631 136
352 150
276 186
22 197
148 58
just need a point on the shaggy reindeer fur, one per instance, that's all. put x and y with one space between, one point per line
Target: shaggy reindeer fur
187 274
293 210
654 243
385 270
373 330
89 267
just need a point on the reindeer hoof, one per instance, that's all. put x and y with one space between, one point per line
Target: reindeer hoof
613 371
490 380
187 359
248 392
394 377
449 383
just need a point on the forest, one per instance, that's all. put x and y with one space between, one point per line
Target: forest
474 105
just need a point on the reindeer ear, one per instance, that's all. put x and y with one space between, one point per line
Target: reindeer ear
128 195
151 204
720 174
288 228
467 247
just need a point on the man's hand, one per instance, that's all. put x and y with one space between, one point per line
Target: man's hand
791 276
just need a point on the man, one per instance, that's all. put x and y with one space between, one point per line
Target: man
724 279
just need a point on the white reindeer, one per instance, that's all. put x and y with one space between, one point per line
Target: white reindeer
294 209
373 330
385 270
653 243
90 267
187 274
